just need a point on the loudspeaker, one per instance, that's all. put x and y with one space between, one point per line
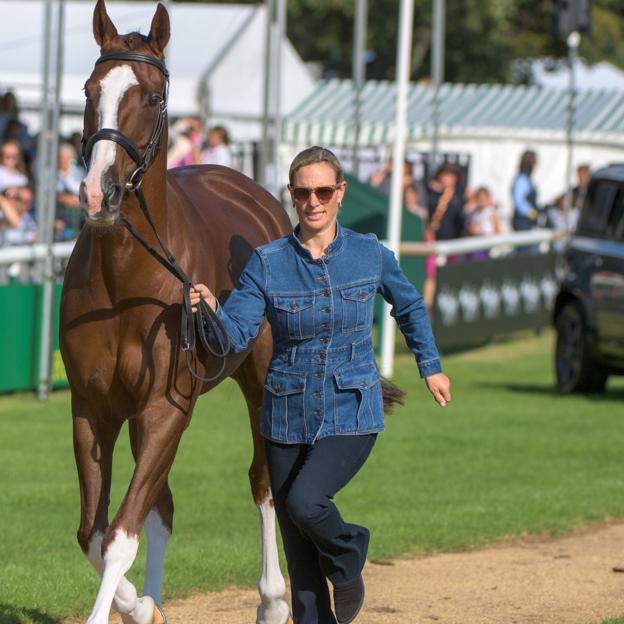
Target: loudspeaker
570 15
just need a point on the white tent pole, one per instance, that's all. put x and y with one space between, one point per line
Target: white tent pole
437 74
42 144
573 41
43 185
264 144
406 19
359 74
280 32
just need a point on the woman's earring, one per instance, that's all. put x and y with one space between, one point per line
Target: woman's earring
339 205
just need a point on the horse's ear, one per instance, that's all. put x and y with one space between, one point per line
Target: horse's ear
159 30
104 30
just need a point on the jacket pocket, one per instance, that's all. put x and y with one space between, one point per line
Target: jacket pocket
286 392
359 405
295 315
357 306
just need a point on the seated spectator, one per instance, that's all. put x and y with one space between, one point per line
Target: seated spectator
24 232
9 216
446 204
185 142
411 200
217 150
382 178
68 211
481 214
13 174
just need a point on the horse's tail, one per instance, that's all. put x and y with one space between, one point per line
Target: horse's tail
391 395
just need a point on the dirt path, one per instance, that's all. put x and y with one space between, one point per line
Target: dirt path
563 581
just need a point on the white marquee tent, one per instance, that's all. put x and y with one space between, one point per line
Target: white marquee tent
215 57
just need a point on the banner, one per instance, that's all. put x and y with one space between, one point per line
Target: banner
476 300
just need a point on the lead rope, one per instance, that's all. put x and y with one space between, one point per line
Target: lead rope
206 318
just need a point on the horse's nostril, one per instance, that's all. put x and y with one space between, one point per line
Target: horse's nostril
112 194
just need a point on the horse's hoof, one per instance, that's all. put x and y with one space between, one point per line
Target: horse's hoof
159 616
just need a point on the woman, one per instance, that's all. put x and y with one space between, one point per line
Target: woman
524 194
323 406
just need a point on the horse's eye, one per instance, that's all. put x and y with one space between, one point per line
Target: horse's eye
154 99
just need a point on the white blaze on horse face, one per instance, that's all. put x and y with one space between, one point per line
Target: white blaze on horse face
112 89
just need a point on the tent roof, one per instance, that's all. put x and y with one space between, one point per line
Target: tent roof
205 39
465 110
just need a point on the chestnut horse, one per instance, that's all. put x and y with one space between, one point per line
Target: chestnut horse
121 325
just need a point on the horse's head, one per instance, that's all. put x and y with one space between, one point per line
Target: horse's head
125 113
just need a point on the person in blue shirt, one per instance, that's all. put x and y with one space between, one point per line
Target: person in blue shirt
323 400
524 194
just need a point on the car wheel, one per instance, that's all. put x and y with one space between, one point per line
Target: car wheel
576 371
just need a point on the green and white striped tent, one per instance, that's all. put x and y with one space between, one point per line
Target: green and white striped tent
326 116
490 124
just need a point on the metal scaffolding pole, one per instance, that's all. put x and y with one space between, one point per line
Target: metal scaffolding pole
272 122
359 75
574 39
46 201
279 34
404 47
437 75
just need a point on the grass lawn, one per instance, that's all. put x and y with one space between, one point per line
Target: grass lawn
508 456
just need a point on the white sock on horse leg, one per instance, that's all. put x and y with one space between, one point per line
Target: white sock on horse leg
158 535
273 609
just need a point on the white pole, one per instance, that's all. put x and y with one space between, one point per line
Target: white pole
437 75
266 102
406 19
359 74
280 32
574 39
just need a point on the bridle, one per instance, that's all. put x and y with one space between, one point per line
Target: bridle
204 322
143 161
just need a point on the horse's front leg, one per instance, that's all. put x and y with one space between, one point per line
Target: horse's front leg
160 429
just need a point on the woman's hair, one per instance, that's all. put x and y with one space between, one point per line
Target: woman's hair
20 165
313 155
527 161
222 132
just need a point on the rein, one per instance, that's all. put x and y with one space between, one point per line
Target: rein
204 323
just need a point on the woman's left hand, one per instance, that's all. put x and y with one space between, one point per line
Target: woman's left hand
440 388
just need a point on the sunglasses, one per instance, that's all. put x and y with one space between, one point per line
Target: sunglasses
324 194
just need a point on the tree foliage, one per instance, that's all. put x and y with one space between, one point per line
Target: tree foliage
482 36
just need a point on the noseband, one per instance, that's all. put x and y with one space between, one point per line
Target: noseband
204 322
144 160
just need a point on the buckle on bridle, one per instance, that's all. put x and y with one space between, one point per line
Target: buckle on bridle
136 178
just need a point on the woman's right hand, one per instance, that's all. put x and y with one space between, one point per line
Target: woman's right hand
201 291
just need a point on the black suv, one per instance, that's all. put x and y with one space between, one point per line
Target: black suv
589 308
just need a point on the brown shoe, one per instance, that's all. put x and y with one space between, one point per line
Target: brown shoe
348 601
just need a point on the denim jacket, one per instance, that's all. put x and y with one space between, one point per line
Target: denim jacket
322 379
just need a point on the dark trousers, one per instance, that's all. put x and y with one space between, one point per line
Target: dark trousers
319 545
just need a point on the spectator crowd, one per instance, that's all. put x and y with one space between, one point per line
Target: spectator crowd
447 207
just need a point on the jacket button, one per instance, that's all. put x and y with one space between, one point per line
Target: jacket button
318 375
278 387
322 356
326 310
324 340
317 394
317 413
324 325
325 293
323 277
